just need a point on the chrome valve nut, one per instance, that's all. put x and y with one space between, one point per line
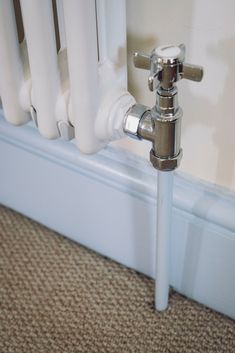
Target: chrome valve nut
132 120
165 164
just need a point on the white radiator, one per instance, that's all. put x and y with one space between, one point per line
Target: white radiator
63 65
68 73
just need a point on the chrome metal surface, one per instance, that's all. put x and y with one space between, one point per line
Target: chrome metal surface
162 124
166 65
132 119
192 72
166 102
146 129
165 164
167 135
142 60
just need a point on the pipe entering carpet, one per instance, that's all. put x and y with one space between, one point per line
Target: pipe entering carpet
57 296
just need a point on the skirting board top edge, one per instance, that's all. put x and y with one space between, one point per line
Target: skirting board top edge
128 172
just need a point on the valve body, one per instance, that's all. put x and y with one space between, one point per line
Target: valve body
162 124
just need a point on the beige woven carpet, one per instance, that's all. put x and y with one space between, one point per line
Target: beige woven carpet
57 296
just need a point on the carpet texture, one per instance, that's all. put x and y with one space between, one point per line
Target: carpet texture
57 296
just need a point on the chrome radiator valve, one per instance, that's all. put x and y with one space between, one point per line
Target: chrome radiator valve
162 124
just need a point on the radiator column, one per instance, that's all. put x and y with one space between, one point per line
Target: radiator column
81 37
40 36
11 70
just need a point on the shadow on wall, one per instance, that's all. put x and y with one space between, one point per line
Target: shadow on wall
148 28
221 115
144 20
151 23
137 43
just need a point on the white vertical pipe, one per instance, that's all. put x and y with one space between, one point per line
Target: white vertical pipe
164 220
60 16
11 70
111 16
102 29
81 37
40 36
116 31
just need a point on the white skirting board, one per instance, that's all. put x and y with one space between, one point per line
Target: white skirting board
107 202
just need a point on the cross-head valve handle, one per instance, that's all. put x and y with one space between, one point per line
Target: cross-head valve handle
166 65
162 124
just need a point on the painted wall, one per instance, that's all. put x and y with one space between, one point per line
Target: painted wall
208 30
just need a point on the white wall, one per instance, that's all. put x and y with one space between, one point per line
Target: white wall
208 30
